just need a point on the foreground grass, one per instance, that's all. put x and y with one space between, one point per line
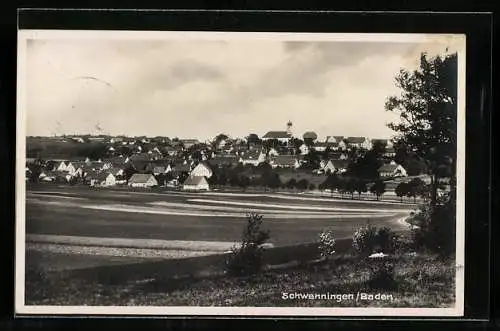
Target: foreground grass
419 281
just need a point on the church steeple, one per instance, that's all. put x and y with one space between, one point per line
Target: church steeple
289 127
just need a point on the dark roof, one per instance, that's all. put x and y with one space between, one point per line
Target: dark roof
381 141
340 163
277 134
285 159
251 155
388 167
194 180
356 140
181 167
310 135
140 178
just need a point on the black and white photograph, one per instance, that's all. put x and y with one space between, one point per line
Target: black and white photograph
240 173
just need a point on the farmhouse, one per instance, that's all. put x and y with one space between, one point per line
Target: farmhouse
284 161
142 180
392 170
334 139
253 157
187 143
221 161
359 142
101 179
202 170
48 176
281 136
304 149
321 146
196 183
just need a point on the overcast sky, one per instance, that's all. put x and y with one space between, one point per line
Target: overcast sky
199 88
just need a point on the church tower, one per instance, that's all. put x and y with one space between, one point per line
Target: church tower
289 127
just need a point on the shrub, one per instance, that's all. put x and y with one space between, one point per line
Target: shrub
326 243
381 275
435 227
368 240
247 258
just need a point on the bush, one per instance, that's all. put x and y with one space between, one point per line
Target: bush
435 227
326 243
368 240
381 275
247 259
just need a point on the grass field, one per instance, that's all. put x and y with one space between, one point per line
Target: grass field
422 281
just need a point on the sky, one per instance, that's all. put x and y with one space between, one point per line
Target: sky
190 88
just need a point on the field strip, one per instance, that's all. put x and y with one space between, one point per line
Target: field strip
131 243
208 207
145 210
45 193
282 206
56 196
117 251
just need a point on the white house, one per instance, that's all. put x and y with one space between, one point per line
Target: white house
63 166
281 136
320 146
304 149
196 183
285 161
392 170
202 170
359 142
102 179
253 157
273 152
142 180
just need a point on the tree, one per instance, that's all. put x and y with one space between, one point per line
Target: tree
427 108
360 187
416 187
302 184
350 186
312 186
312 160
378 188
234 180
244 182
379 148
401 190
292 183
252 138
272 180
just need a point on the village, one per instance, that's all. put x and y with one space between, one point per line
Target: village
276 160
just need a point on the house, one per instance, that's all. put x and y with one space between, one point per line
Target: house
159 169
273 152
62 166
171 151
390 152
310 136
281 136
304 149
253 158
48 176
101 179
221 162
320 146
284 161
195 183
332 165
334 139
142 180
359 142
392 170
202 170
187 143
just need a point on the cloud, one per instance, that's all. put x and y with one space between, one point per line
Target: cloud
200 88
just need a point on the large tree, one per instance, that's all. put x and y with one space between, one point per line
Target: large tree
427 108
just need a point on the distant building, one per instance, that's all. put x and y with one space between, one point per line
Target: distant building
202 170
101 179
281 136
392 170
142 180
359 142
196 183
304 149
253 158
187 143
284 161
